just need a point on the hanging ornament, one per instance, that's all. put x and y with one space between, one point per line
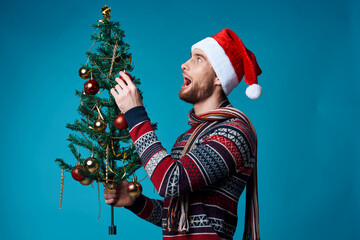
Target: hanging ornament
62 187
134 189
98 187
91 87
76 174
86 181
113 58
91 165
99 125
84 73
120 122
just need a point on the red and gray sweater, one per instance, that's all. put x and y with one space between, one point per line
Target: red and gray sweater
213 172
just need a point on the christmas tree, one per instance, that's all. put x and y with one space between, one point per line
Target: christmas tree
102 127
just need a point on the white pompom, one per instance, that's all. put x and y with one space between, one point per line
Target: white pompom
254 91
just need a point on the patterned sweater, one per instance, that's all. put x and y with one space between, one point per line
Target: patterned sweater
212 174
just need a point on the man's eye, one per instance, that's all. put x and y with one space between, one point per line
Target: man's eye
198 59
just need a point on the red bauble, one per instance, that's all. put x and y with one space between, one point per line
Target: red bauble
120 122
128 75
76 174
91 87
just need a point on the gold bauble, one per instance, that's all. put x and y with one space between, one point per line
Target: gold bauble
86 181
99 125
134 189
91 165
84 73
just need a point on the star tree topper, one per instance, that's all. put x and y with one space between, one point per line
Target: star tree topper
106 12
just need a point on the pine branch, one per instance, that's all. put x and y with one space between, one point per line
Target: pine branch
85 110
63 165
83 143
76 154
84 129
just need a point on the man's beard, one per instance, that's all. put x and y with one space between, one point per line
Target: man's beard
197 93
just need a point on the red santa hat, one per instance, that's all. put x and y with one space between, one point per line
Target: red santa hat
231 60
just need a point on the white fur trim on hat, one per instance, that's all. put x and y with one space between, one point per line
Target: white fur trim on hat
254 91
220 62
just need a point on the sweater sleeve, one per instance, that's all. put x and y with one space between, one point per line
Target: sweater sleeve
227 149
147 209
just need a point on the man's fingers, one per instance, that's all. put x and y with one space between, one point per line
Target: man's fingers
121 83
113 92
109 201
110 196
127 79
118 88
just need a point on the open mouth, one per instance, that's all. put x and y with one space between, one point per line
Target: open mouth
187 82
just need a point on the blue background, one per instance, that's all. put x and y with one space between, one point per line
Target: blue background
306 119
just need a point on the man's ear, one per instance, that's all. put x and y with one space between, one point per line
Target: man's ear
217 81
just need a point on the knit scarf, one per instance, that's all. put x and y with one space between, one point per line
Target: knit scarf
178 207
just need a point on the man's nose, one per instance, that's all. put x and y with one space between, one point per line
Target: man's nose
185 66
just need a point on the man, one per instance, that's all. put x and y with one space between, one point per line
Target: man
211 163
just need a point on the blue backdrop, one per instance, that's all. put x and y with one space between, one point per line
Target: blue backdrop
306 120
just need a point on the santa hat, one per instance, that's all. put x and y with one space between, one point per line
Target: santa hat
231 60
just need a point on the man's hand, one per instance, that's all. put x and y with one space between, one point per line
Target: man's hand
126 95
118 196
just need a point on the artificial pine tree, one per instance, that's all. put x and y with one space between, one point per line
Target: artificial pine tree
103 129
